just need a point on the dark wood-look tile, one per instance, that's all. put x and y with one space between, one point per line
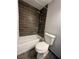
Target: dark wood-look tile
42 21
28 19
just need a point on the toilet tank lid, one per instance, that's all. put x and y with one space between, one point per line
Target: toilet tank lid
53 36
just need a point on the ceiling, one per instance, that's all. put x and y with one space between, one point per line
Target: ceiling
39 4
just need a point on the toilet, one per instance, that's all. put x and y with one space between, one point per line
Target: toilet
42 47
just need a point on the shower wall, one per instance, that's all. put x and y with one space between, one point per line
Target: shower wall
28 19
42 21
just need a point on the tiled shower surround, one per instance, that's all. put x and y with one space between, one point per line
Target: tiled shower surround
28 19
31 20
42 21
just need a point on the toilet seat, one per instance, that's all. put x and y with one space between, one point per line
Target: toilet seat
41 47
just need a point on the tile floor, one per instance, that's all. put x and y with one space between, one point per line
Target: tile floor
32 55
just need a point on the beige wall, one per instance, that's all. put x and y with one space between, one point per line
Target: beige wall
53 25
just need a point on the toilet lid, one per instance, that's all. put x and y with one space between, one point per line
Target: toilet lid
42 46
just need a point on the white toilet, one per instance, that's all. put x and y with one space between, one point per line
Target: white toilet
42 47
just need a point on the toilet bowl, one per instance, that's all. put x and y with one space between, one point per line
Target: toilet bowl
42 47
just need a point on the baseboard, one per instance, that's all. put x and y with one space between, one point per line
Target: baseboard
54 54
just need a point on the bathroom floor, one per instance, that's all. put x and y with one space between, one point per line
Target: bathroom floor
32 55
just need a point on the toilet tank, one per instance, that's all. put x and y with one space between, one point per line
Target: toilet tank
49 38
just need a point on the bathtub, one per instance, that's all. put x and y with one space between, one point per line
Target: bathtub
25 43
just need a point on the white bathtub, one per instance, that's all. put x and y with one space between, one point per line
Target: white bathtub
25 43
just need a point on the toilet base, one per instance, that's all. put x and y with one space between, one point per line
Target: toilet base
42 55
